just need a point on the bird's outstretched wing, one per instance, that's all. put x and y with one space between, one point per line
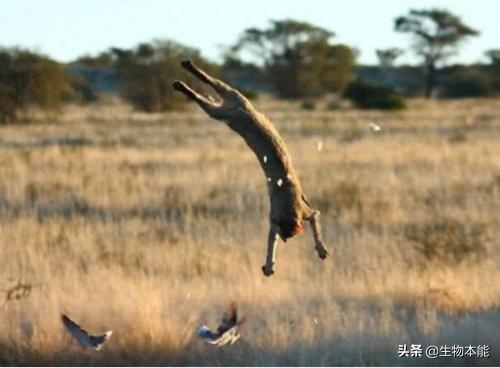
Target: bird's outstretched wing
229 337
229 319
227 332
82 336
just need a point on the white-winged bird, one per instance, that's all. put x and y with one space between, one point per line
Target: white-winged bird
82 336
227 332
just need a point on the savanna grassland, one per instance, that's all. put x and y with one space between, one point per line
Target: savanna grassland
150 224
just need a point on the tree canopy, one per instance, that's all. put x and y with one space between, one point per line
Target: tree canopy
146 72
436 36
298 57
387 57
30 79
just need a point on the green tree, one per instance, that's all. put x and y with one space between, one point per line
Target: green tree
147 72
82 91
298 58
464 82
29 79
436 35
494 55
387 57
493 70
104 59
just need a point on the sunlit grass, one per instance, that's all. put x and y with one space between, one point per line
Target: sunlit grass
149 224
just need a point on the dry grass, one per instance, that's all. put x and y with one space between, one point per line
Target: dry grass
150 224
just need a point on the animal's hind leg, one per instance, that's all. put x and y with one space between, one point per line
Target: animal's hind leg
318 239
204 103
219 86
272 243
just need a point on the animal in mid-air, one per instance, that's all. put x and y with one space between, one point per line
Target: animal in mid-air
227 332
82 336
289 206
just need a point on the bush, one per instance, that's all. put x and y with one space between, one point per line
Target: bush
147 72
457 136
83 91
367 95
352 134
343 197
447 240
308 105
465 83
8 108
334 104
28 79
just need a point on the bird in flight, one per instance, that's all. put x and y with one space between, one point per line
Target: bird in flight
228 331
82 336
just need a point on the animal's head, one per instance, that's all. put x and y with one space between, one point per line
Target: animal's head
287 227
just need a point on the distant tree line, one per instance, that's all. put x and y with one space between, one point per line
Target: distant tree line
288 58
146 72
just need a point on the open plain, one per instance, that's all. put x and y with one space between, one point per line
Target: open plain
149 224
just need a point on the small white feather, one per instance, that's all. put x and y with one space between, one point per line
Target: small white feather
374 127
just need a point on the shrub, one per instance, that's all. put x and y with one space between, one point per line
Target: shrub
148 70
465 83
457 136
28 79
146 73
447 240
8 108
343 197
351 135
334 104
367 95
308 105
83 91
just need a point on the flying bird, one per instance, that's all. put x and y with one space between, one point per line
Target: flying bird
227 332
82 336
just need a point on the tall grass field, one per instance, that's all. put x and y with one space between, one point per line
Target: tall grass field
150 224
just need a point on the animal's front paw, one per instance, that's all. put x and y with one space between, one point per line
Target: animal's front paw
268 271
322 252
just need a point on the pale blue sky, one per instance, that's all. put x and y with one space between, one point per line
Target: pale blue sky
66 29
